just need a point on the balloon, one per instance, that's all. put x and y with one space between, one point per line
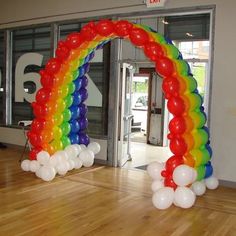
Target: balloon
138 36
189 140
37 125
176 106
209 170
154 170
153 51
47 135
87 158
157 184
58 119
43 157
47 80
43 95
62 167
172 51
71 87
47 173
83 109
77 98
57 132
212 182
74 126
200 172
177 125
184 197
163 198
171 87
71 151
62 51
88 32
33 153
199 188
94 147
75 112
84 139
35 139
74 138
83 123
169 182
84 94
60 105
164 67
123 28
84 81
25 165
40 111
195 101
189 160
189 123
65 141
173 162
78 163
105 27
66 115
34 166
198 118
74 40
178 146
200 137
57 144
78 83
183 175
53 66
65 128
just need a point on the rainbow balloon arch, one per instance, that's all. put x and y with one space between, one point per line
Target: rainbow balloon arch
58 132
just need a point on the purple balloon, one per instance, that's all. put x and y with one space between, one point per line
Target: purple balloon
83 110
84 139
83 123
84 81
84 94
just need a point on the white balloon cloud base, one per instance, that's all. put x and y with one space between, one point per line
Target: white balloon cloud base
72 157
183 196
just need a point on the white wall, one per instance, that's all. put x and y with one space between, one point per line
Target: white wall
223 103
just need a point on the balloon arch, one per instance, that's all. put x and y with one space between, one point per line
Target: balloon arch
60 113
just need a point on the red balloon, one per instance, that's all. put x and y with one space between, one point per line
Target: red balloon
170 86
138 36
165 67
33 153
178 146
153 50
123 28
53 66
37 125
74 40
62 51
173 162
88 32
40 111
43 95
105 27
177 125
169 182
176 106
46 79
34 138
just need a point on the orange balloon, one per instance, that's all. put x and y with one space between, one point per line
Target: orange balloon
189 123
189 140
189 160
47 135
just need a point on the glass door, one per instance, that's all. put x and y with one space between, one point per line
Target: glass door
125 114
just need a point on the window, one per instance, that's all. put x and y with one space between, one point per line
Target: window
1 76
98 77
25 68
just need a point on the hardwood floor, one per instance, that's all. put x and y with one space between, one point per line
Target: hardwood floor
102 201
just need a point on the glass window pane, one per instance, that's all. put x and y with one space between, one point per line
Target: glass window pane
1 76
24 85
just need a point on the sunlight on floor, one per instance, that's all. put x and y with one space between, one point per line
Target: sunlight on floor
143 154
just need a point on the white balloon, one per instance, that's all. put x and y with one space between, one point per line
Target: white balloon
163 198
38 172
71 164
61 156
157 184
94 147
87 158
194 175
78 148
34 165
25 165
53 161
199 188
184 197
183 175
83 147
62 167
43 157
71 151
212 182
154 170
47 173
78 163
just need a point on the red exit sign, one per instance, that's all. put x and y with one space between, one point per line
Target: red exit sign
155 3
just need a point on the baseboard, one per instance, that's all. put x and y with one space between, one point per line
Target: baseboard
226 183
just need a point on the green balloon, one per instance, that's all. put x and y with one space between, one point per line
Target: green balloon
65 128
65 141
201 171
172 51
75 74
66 115
71 87
68 100
191 83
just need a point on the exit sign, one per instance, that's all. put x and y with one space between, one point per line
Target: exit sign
155 3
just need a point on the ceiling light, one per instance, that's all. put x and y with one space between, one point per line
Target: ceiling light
165 22
189 35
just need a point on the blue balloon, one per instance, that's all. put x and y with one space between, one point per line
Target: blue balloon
209 150
74 126
75 112
168 40
77 98
209 170
91 55
180 57
78 83
74 138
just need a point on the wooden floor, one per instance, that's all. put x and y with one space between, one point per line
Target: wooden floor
102 201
